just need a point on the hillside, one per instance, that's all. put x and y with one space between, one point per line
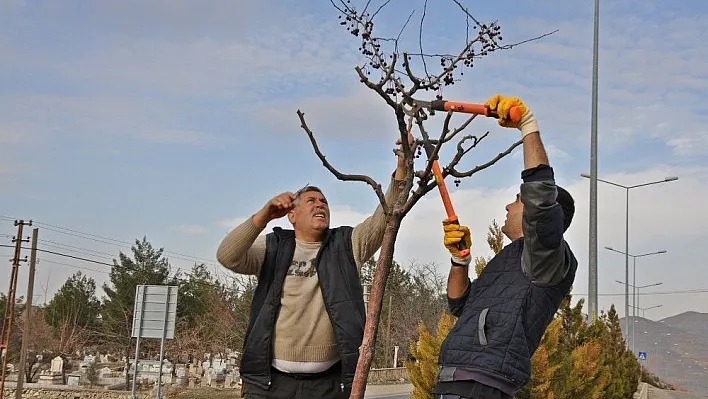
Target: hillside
677 349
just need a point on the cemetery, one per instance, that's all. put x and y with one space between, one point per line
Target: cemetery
95 375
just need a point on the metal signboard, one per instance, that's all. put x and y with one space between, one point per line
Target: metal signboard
155 311
153 317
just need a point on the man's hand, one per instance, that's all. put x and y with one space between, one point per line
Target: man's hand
454 234
276 208
502 104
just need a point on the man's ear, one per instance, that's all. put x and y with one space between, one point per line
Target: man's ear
291 216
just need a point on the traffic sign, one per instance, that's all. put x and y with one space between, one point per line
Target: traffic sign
642 356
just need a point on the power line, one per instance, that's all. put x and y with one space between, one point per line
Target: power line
103 239
216 268
215 285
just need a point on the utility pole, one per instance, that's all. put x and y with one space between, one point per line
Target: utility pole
10 305
28 316
388 330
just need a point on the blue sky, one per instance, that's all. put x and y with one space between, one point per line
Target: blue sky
176 120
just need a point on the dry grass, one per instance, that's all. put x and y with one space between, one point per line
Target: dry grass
203 393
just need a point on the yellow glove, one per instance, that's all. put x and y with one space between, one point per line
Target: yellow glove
501 105
454 233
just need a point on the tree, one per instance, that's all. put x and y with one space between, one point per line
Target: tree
398 84
495 240
194 295
423 368
40 341
413 295
148 266
73 313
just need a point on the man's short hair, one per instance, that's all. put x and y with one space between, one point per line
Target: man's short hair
567 204
308 188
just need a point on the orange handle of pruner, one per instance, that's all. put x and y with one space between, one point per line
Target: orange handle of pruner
447 203
477 109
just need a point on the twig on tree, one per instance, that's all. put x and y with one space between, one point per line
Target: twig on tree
457 130
339 175
426 174
380 8
461 150
452 172
420 38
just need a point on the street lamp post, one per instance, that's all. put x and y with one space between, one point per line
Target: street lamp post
635 288
592 251
645 309
634 271
626 247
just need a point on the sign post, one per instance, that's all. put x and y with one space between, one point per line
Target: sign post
154 316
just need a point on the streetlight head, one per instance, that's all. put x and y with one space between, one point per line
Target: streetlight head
663 251
610 248
671 178
585 175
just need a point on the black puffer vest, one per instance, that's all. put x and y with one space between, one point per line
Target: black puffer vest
503 321
341 290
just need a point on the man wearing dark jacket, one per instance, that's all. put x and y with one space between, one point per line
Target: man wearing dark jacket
307 315
503 314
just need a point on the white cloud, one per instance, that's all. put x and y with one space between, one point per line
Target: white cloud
191 229
33 116
359 112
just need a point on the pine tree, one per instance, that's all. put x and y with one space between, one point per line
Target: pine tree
423 368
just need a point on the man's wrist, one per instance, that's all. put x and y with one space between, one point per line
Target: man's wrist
460 262
259 220
528 124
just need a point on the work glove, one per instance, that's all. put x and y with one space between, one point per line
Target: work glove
502 104
454 233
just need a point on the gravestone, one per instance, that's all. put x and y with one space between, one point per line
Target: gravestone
57 366
72 380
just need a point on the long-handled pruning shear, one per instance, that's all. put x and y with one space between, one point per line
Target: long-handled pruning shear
467 108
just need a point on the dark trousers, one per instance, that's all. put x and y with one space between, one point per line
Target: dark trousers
325 385
468 390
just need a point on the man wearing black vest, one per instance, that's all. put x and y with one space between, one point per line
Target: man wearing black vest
503 314
307 315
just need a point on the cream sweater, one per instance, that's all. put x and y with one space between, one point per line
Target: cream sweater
303 338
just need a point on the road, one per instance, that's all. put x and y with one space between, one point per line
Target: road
397 391
654 393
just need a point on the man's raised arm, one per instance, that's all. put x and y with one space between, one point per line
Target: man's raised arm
243 249
544 254
368 235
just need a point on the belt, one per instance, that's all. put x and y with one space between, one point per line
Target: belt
310 376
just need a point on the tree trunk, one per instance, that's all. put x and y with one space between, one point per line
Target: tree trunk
368 345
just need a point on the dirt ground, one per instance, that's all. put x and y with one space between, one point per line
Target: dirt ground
204 393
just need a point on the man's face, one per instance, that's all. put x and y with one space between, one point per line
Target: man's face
311 212
512 227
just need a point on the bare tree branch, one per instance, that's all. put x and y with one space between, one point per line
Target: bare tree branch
426 174
461 150
453 172
420 38
339 175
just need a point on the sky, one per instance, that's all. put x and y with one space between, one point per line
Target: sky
177 120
